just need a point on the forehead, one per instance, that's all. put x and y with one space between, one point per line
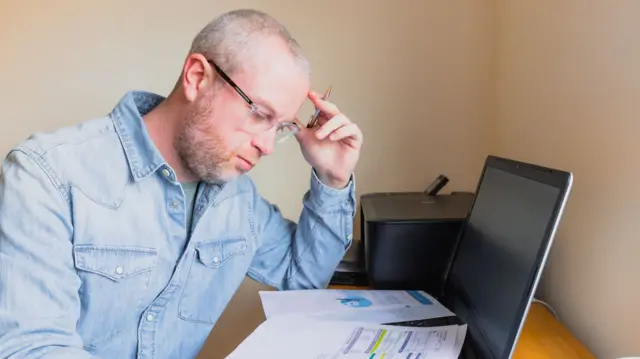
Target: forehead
273 78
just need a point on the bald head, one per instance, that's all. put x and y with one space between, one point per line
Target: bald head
233 40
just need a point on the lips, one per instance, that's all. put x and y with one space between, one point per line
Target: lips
246 161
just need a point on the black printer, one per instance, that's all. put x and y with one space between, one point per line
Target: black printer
407 239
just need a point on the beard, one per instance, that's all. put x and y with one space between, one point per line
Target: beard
201 148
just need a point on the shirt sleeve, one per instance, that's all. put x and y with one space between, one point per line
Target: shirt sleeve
304 255
39 303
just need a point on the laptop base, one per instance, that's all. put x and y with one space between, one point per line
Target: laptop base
466 352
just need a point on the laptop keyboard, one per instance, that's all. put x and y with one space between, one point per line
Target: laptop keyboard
413 323
431 322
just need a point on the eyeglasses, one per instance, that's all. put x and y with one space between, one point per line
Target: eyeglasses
260 119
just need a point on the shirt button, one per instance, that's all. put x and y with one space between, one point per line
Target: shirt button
173 204
166 173
149 317
119 270
350 236
216 260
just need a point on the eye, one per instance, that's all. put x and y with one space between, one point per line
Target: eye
261 114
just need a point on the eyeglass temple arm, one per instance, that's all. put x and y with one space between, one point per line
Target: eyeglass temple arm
230 82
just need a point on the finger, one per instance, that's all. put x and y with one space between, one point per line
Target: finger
328 108
350 134
331 125
321 120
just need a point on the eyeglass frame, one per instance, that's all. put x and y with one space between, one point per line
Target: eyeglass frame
294 127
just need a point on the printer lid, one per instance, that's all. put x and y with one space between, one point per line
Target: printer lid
415 206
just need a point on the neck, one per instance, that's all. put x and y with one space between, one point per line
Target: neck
163 124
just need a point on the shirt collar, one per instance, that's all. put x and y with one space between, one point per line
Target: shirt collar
142 155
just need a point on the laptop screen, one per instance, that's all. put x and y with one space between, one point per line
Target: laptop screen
501 249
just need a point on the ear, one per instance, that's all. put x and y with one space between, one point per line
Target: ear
196 76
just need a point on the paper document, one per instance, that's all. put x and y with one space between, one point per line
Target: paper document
383 315
283 337
385 304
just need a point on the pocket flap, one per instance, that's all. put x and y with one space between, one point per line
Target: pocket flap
214 253
114 262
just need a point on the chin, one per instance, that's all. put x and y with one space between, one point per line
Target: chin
230 174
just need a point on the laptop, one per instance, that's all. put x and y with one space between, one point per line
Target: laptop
500 254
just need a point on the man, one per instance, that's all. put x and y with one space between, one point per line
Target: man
126 236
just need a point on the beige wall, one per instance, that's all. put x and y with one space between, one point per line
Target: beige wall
419 94
568 95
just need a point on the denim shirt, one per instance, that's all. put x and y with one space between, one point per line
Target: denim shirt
95 258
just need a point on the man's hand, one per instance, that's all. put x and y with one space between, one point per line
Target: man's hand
332 147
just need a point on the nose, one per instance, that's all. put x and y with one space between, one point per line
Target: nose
265 142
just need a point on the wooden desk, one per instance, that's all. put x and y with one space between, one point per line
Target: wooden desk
545 337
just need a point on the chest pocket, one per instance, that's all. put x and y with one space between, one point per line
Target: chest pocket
113 272
217 269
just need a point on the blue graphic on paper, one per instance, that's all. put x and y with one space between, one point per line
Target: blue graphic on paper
355 302
419 297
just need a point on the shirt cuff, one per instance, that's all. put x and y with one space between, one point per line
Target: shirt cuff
328 199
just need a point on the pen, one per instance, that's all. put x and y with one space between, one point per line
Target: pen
314 117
